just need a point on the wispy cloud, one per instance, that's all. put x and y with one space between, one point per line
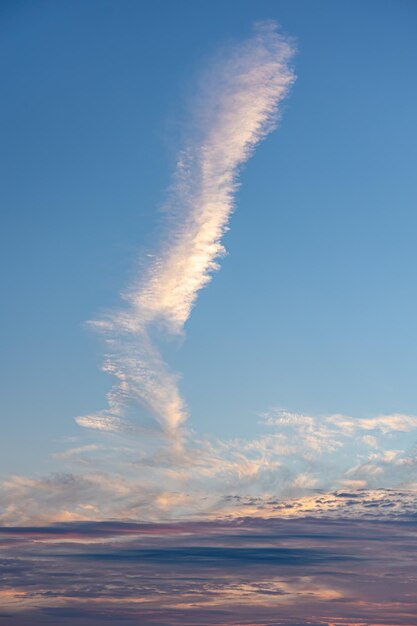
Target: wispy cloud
236 106
279 472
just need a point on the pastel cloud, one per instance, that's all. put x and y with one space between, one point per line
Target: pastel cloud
236 106
129 476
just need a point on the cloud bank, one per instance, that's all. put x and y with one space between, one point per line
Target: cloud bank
236 106
246 571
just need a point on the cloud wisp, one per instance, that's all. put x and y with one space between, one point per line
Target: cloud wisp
236 106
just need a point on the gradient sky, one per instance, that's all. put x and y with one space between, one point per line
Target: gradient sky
208 364
314 307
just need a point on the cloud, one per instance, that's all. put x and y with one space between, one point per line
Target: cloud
389 423
236 106
278 473
393 422
73 452
138 474
357 503
244 571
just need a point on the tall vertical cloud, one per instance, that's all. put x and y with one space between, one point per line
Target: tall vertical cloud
236 106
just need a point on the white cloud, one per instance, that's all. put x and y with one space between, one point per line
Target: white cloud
392 422
101 421
236 106
389 423
72 452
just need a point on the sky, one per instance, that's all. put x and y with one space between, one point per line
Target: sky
208 218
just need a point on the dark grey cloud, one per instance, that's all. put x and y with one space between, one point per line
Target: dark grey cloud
221 557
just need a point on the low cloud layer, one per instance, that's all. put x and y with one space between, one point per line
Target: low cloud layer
245 571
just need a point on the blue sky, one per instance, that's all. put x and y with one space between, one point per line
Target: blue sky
189 435
313 309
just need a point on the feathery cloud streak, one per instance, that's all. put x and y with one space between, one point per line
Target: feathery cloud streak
236 106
